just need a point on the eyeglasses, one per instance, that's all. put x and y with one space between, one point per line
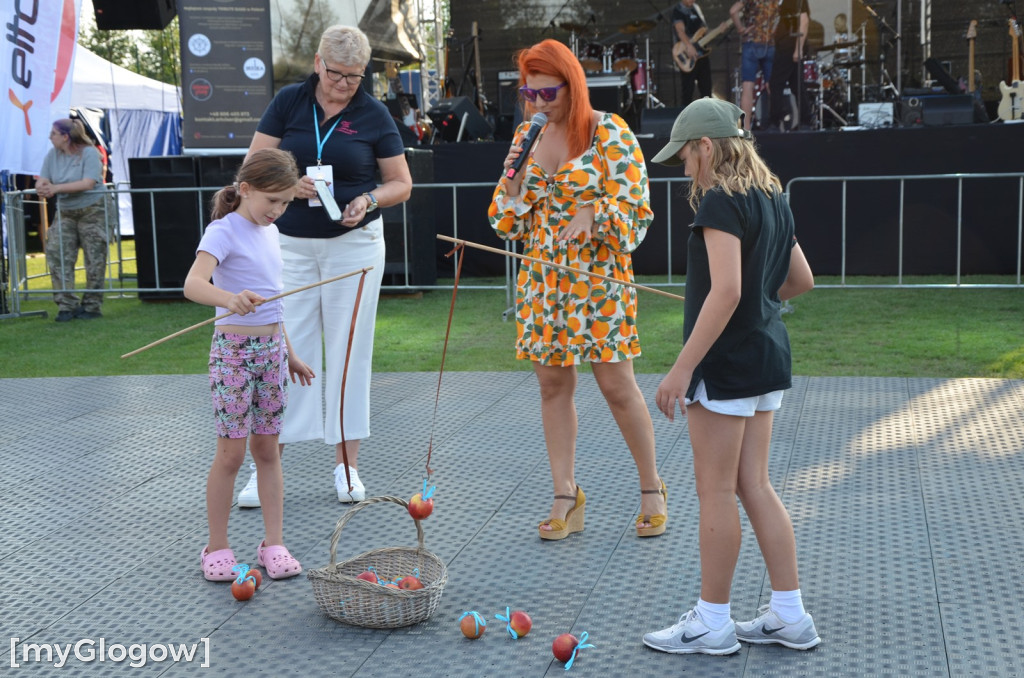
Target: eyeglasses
336 76
546 93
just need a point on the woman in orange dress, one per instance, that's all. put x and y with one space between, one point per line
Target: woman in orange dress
580 200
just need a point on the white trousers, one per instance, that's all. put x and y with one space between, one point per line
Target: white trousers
318 322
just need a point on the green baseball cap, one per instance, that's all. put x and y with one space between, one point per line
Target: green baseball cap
707 117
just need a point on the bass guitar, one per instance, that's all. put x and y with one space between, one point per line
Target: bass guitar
1010 106
700 40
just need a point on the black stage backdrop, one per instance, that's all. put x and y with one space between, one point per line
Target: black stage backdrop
989 214
505 26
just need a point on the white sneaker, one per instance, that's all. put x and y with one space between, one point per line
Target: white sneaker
249 497
768 627
691 635
358 492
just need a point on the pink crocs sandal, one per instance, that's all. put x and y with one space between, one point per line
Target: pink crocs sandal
279 563
217 565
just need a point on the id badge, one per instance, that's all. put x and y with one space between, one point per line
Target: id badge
325 172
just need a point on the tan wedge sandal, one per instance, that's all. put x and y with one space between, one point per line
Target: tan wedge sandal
657 522
560 529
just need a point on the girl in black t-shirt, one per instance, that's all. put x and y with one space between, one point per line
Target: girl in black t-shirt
730 375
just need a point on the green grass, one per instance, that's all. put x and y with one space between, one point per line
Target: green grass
834 332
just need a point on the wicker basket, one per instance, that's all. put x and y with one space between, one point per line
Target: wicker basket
361 603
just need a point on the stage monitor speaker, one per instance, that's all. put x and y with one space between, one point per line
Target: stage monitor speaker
938 109
658 121
448 116
112 15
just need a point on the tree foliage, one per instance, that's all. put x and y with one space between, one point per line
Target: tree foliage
154 54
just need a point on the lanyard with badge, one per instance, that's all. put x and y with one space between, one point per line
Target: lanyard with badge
320 172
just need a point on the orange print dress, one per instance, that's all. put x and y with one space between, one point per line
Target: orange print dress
564 318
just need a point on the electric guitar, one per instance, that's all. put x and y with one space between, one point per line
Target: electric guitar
972 75
700 41
1010 106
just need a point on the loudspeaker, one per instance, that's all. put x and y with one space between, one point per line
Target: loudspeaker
609 92
131 14
938 109
658 121
171 226
420 236
448 116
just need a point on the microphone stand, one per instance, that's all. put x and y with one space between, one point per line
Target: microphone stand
551 24
884 79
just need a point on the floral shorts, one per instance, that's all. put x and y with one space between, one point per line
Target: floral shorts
247 380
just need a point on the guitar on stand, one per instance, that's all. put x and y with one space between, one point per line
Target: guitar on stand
972 76
1010 106
701 39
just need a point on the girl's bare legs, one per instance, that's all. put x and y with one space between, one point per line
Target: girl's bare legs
558 415
269 479
767 514
220 487
717 440
626 401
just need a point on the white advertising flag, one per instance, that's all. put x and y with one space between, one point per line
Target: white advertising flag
35 69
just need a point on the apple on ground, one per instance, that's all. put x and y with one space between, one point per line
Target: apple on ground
243 590
420 508
520 623
472 627
563 646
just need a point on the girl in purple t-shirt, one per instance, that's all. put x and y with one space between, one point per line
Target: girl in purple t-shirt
240 252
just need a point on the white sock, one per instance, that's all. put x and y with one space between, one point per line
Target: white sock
788 606
714 615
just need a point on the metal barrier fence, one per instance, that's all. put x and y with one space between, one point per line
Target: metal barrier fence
21 286
901 183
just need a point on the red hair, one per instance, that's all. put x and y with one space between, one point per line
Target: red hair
550 57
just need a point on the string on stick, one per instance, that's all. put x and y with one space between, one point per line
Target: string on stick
562 267
230 313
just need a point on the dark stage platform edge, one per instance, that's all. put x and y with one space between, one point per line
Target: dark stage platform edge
905 495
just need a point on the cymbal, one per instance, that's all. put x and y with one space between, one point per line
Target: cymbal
846 63
638 26
570 26
838 45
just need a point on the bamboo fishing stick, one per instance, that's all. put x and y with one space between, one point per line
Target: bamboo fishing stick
225 315
570 269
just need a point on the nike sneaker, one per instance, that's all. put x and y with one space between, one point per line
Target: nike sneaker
691 635
769 628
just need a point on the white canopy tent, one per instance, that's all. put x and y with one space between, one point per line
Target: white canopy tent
143 114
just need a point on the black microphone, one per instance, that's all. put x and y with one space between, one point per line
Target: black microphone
536 123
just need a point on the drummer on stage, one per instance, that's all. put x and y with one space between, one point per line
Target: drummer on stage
687 19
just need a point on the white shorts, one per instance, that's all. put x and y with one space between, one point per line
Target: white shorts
740 407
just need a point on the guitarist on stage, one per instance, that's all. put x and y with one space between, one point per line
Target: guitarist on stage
687 20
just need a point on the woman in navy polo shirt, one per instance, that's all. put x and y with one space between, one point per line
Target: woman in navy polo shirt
340 133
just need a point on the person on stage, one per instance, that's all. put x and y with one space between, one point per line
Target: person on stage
787 66
742 261
755 21
580 199
687 19
340 133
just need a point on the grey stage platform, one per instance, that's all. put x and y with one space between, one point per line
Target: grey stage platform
907 496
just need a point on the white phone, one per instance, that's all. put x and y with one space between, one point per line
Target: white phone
323 192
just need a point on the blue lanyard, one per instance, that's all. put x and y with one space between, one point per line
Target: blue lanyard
320 144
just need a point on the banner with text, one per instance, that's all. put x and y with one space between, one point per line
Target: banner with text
38 60
227 76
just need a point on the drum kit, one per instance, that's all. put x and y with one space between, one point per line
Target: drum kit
828 76
619 59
